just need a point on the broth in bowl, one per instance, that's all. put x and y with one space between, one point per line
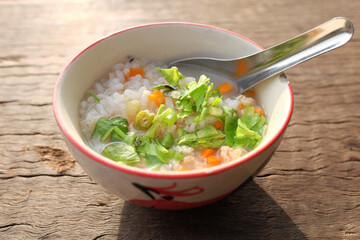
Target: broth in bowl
150 117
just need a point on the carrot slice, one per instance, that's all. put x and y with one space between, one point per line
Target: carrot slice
206 152
224 88
160 100
133 72
212 160
136 71
250 93
241 106
152 97
260 111
183 169
157 93
218 125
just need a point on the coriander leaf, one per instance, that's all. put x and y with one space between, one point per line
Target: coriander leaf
172 75
121 152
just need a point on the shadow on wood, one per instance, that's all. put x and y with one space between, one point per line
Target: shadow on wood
238 214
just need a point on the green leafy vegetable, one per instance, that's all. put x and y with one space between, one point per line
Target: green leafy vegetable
176 155
167 141
103 126
172 75
181 132
207 137
120 135
153 162
216 102
94 96
156 149
121 152
197 99
202 115
249 128
230 126
215 111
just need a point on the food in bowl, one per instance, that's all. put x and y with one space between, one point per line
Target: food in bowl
165 42
150 117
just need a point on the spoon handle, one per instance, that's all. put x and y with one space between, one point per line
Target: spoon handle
264 64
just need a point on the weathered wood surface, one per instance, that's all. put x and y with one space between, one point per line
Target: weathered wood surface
309 190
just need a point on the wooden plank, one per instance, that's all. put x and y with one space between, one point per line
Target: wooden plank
309 190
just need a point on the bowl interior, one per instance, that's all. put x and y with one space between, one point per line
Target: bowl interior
161 42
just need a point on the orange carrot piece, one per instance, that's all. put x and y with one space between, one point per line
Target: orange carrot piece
157 96
218 125
157 93
241 106
225 87
206 152
152 97
160 100
133 72
260 111
212 160
250 93
184 169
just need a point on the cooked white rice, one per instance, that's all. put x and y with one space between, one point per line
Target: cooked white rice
114 93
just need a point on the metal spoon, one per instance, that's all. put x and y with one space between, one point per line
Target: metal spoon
250 70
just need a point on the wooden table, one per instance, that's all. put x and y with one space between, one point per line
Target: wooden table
309 190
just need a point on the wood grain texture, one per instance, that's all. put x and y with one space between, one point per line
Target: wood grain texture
309 190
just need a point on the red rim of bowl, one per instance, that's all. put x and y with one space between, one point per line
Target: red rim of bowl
153 174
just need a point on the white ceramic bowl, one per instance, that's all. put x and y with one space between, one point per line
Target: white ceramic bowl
166 42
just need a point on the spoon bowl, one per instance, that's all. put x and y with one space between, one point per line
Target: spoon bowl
247 71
